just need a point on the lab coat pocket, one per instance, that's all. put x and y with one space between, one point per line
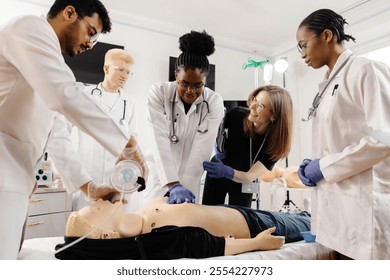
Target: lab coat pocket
16 164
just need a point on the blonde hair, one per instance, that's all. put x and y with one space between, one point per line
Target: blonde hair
77 226
118 54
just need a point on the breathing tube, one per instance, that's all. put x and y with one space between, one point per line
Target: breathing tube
125 178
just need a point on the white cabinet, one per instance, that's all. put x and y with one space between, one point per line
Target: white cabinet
48 212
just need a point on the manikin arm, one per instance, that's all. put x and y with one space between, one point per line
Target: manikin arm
257 170
262 242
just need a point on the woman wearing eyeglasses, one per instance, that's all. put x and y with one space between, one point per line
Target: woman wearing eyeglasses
257 137
350 204
184 116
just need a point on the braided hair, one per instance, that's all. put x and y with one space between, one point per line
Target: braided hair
195 47
323 19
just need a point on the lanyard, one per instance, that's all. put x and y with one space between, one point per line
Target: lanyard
251 163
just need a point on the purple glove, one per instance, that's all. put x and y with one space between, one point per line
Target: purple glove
218 170
178 194
313 171
219 156
309 172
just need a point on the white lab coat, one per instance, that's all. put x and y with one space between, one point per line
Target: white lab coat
182 161
97 160
350 211
35 82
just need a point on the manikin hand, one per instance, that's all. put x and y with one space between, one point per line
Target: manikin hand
216 169
266 241
309 172
133 152
93 191
178 194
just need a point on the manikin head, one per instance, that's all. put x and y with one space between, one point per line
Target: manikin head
108 220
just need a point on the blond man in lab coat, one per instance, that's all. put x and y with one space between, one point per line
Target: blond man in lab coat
36 83
111 97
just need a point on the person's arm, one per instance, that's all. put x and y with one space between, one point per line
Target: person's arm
68 164
369 95
65 158
262 242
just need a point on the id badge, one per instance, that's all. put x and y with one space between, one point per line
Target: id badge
252 187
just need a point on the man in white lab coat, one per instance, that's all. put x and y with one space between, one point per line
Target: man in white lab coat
34 83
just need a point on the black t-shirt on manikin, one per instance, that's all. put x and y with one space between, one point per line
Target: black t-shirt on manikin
165 243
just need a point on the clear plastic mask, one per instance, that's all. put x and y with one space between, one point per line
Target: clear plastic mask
124 176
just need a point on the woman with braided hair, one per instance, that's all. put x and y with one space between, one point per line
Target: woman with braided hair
349 170
184 116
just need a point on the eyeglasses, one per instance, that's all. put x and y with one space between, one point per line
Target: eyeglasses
260 106
198 87
302 45
92 32
123 70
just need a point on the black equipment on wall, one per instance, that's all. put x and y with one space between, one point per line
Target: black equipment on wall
88 66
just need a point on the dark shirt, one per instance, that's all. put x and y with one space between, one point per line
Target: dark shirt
237 144
169 242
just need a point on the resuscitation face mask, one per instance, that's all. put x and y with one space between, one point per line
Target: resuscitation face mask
125 175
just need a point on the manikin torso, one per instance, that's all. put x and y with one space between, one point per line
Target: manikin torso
219 221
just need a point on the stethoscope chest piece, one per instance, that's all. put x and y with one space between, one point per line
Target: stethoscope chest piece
122 121
174 139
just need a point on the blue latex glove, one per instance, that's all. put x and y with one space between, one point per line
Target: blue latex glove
216 169
313 171
309 172
301 173
219 156
178 194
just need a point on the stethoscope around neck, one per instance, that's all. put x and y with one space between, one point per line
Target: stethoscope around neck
98 92
174 138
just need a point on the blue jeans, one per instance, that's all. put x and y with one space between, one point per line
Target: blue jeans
287 224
